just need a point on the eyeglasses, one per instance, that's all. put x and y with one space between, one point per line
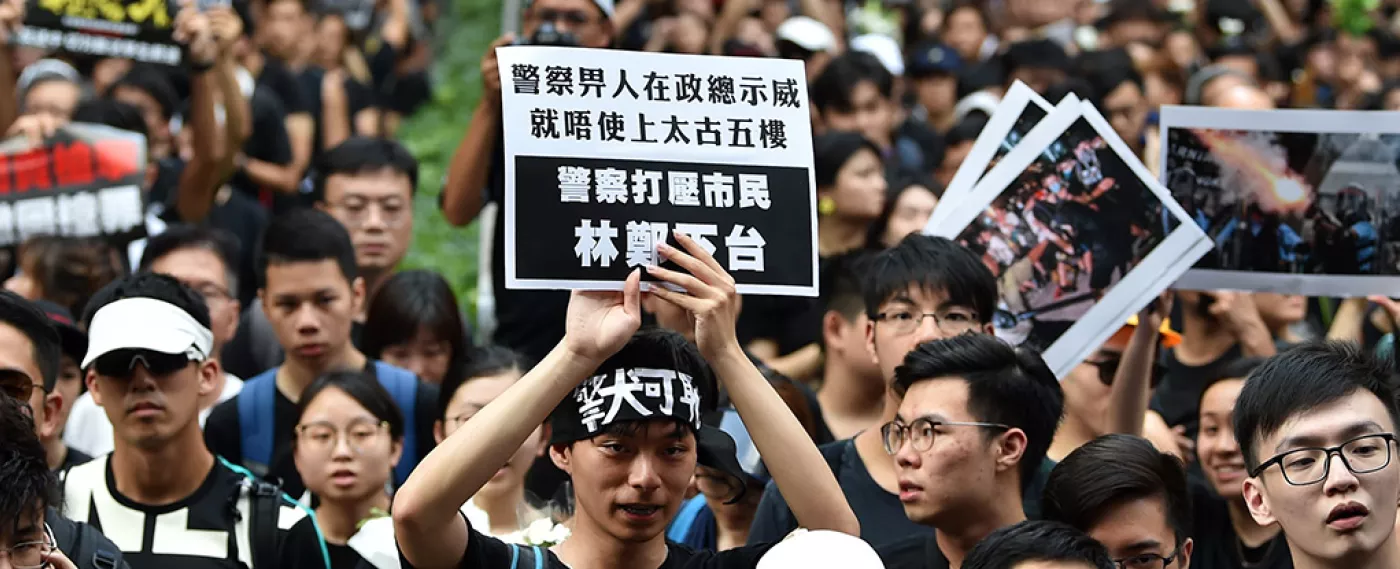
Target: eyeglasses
121 363
1108 369
392 211
18 385
1304 466
951 321
31 554
322 438
1146 561
211 292
921 433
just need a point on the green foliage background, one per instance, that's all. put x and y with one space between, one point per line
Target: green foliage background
464 31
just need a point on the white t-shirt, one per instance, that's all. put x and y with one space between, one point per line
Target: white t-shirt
88 430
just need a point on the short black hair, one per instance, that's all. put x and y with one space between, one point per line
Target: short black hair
485 361
186 236
365 390
933 263
1012 545
967 129
1304 378
1237 369
29 485
363 155
151 285
410 301
1106 70
151 81
35 325
113 113
1113 470
306 235
832 150
834 87
842 278
1005 385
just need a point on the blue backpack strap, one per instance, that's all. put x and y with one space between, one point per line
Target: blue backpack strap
539 558
402 385
685 519
255 421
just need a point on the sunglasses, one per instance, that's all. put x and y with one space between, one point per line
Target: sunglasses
17 385
121 363
1108 368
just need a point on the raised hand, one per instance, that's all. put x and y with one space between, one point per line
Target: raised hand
599 323
710 298
192 29
491 68
11 17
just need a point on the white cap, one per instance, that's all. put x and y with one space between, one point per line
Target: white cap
884 48
809 549
807 33
979 101
146 324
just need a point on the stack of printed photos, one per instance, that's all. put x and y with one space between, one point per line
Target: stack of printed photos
1078 232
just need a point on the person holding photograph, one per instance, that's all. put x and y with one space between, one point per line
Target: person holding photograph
630 466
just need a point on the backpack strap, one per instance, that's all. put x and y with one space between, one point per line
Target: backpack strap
255 421
534 552
265 501
402 385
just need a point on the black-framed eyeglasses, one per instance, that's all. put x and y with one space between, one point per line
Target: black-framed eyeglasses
950 321
921 432
1146 561
1310 465
31 554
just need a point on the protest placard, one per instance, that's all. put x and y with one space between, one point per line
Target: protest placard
1297 201
1020 110
84 182
608 153
130 29
1078 233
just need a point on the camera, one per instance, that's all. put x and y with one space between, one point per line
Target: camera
549 34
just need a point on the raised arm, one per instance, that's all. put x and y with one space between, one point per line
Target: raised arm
11 16
795 463
1132 384
429 530
464 188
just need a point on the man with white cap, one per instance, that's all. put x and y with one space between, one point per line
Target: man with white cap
161 496
805 38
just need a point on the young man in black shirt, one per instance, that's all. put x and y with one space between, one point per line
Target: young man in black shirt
310 291
975 419
161 496
1124 493
1300 411
922 289
630 464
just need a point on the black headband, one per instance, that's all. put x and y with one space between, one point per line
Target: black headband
625 395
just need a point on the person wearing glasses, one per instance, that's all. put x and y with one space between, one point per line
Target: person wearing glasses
975 419
922 289
1127 495
161 495
1317 428
204 259
26 542
349 436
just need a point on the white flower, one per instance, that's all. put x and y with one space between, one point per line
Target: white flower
545 533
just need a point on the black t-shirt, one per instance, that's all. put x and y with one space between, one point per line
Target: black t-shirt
198 532
358 97
485 552
1178 397
73 458
268 141
282 82
224 435
881 516
304 549
245 219
917 552
1217 545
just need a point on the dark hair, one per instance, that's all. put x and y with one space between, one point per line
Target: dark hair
892 195
841 278
363 155
1113 470
1078 87
35 325
113 113
69 269
834 87
185 236
29 486
967 129
485 361
306 235
1012 545
933 263
151 285
978 76
151 81
831 151
1005 385
408 302
1304 378
365 390
1237 369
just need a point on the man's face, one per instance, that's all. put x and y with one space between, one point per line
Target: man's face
312 306
203 271
1127 111
871 114
887 346
147 403
937 93
966 32
1216 447
1346 515
377 209
847 344
19 371
69 386
958 474
1140 528
953 157
284 25
582 18
28 529
56 98
631 486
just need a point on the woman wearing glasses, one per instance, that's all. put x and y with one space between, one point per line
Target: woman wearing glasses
349 436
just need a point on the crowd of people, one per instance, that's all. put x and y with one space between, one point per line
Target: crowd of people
256 383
